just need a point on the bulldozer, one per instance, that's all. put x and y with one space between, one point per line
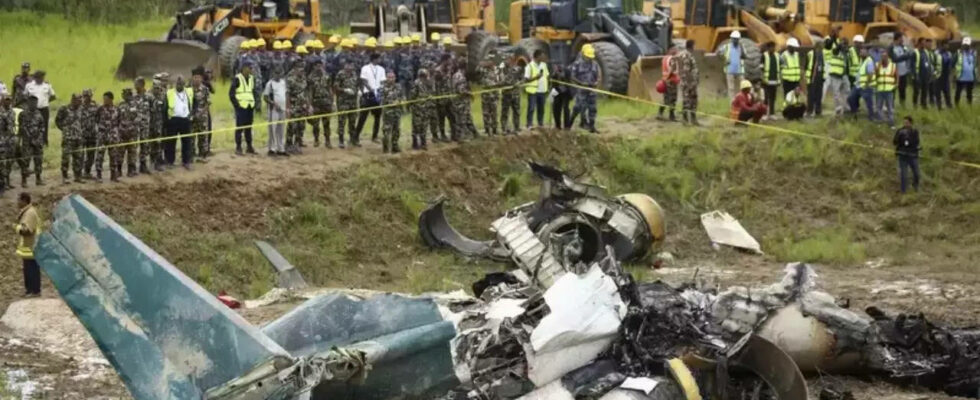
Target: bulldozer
878 19
210 35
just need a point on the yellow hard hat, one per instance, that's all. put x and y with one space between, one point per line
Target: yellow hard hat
245 45
434 37
261 42
389 43
447 40
399 40
335 39
416 37
301 50
287 44
310 43
371 42
588 51
277 45
745 84
347 43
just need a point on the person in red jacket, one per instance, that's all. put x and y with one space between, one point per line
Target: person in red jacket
746 106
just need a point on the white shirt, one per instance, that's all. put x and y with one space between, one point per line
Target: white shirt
374 75
43 92
542 83
182 108
276 89
3 89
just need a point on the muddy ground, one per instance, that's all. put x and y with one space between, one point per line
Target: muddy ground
236 194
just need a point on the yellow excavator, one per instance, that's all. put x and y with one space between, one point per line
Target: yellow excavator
211 35
877 19
457 18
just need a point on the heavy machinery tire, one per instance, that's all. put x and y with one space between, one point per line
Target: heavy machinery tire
228 53
300 38
613 66
752 58
529 45
478 45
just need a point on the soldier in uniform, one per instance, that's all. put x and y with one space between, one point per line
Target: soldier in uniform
158 105
31 132
671 79
108 127
297 106
201 115
688 68
461 105
129 113
346 84
490 78
422 118
321 95
19 90
444 106
69 121
585 72
8 128
143 103
510 99
89 121
391 97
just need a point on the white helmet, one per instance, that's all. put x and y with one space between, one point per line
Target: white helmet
967 41
736 35
792 42
858 39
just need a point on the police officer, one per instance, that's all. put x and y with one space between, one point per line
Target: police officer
585 72
242 95
69 121
31 132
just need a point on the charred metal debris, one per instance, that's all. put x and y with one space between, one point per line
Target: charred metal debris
567 323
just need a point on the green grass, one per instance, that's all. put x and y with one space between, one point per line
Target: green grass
837 246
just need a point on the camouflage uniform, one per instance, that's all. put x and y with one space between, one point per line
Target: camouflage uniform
444 107
461 107
510 100
31 144
585 72
490 78
144 103
7 145
90 131
391 94
19 90
346 84
670 94
69 121
128 119
321 95
108 120
689 83
422 112
407 69
296 107
201 119
157 100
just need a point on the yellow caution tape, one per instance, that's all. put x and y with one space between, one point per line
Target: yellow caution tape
683 376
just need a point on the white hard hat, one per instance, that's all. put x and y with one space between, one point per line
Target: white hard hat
967 41
792 42
858 38
736 35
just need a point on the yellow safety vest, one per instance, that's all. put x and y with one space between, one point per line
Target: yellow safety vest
532 86
855 62
864 78
726 54
835 63
791 72
172 100
766 60
885 81
28 219
245 92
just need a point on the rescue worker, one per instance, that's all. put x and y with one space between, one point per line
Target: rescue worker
69 121
242 98
462 104
321 98
180 105
128 116
791 66
885 82
145 104
671 79
854 60
864 85
795 107
201 115
28 227
422 111
490 79
585 72
923 64
561 95
536 85
297 106
108 121
31 132
688 68
815 77
944 70
732 55
8 129
746 107
346 84
901 56
965 72
510 98
392 97
771 77
836 85
90 131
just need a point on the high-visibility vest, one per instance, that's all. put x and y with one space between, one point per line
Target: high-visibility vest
931 57
766 60
172 100
25 247
245 94
532 86
958 68
864 79
726 52
835 63
885 80
17 112
854 62
791 72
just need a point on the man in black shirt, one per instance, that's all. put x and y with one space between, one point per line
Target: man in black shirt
906 143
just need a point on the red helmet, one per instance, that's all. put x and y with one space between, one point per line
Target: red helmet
661 86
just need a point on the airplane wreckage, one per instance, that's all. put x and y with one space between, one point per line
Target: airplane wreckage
567 323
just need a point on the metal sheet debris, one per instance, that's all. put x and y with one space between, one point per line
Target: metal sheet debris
288 276
724 229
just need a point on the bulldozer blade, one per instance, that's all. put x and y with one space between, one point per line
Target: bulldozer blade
646 71
148 57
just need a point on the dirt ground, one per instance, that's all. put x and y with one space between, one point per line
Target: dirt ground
60 364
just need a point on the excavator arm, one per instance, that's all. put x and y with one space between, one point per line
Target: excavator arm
759 30
908 23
